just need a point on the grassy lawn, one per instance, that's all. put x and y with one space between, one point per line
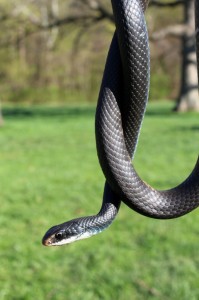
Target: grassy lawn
49 173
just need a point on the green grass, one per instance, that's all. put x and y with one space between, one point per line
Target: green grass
49 173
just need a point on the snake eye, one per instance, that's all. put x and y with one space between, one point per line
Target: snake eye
59 236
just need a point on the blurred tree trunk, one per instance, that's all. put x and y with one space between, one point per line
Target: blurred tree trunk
188 96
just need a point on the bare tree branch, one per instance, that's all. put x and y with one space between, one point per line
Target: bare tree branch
24 11
174 31
72 19
93 11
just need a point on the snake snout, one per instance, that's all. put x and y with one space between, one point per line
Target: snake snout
46 242
49 237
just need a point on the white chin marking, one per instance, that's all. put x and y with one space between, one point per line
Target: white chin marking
72 239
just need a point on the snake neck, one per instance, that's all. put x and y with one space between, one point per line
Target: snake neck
85 227
109 210
95 224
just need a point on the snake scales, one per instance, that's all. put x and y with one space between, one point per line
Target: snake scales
121 105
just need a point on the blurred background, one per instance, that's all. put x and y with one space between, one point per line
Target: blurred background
52 56
54 51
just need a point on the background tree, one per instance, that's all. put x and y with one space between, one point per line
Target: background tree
188 92
95 11
42 41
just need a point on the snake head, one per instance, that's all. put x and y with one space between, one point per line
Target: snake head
66 233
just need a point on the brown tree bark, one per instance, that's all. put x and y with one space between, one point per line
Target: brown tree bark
188 95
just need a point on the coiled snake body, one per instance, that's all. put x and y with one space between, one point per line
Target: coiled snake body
121 105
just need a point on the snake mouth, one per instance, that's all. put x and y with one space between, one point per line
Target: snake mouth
51 241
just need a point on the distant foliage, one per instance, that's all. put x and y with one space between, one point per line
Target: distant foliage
42 61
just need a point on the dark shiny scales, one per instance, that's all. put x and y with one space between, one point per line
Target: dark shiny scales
122 102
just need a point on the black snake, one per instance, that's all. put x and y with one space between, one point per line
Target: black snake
121 105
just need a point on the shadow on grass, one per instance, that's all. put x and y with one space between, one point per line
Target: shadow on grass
42 111
158 113
31 112
76 111
187 128
160 110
